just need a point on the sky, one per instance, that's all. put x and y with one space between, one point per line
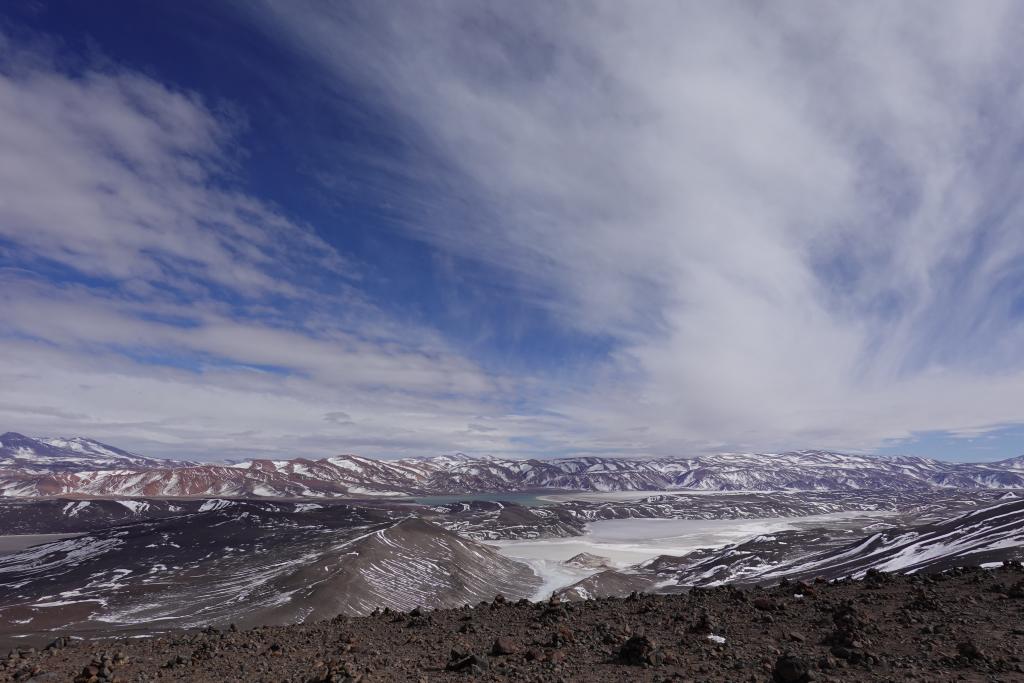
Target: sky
532 229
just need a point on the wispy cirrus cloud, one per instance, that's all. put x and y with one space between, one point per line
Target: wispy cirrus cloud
780 225
797 223
141 173
148 299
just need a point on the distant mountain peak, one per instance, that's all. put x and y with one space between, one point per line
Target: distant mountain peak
81 466
13 436
68 454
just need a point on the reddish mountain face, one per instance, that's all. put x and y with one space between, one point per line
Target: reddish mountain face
51 467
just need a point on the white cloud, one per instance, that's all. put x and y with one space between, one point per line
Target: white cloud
799 222
116 175
162 308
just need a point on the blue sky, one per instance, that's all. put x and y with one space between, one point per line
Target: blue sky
232 229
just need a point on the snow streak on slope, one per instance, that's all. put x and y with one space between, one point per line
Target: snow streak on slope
249 563
54 467
990 534
56 454
410 563
970 539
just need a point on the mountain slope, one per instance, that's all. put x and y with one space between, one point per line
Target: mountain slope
249 563
408 564
991 534
56 454
54 467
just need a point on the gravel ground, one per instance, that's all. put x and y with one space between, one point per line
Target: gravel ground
963 625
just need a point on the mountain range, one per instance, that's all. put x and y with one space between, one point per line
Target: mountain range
143 544
32 467
252 562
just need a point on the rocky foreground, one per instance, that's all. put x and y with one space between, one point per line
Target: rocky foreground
965 624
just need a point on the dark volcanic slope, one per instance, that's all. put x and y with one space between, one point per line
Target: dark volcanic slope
963 625
67 515
243 563
407 564
991 534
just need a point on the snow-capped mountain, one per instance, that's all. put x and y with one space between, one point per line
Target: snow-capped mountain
49 467
57 454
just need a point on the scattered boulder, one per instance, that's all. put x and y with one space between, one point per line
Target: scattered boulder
704 624
790 669
472 663
847 624
504 645
845 633
561 636
58 643
640 650
46 677
969 650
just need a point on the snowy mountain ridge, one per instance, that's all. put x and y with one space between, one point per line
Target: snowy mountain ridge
47 454
48 467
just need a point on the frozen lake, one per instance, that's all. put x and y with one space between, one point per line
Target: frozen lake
628 542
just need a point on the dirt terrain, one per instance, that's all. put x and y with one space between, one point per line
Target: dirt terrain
964 624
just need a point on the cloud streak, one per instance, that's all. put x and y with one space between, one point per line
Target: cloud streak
797 223
148 300
789 225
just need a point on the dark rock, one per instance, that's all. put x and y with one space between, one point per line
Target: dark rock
561 636
790 669
704 624
969 650
504 646
552 614
58 643
640 650
846 653
472 663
